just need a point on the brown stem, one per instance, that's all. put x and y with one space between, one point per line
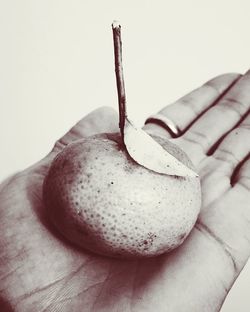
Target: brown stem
119 75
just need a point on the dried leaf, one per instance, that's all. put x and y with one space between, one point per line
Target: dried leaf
150 154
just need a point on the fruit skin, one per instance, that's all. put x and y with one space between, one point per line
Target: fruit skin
100 199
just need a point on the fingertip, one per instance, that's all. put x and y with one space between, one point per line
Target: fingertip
223 81
247 72
100 120
227 76
103 110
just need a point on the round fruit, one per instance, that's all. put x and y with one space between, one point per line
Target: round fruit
100 199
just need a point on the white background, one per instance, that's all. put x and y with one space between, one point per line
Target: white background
56 65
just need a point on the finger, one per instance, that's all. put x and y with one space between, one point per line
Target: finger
233 149
218 171
104 119
218 120
184 111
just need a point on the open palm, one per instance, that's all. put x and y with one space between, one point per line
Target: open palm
40 271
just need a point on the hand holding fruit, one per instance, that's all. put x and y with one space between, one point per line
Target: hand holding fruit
40 270
124 194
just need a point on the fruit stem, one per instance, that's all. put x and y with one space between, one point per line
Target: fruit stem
119 75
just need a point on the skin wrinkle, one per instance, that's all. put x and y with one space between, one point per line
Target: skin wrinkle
54 304
203 143
200 226
112 276
231 159
65 280
35 292
235 102
193 142
81 292
187 103
212 86
101 289
11 272
133 289
240 122
72 135
59 145
143 279
38 290
222 109
19 254
198 134
245 126
48 286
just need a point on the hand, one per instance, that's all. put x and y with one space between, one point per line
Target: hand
40 271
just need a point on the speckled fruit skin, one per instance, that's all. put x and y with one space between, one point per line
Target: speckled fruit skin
102 200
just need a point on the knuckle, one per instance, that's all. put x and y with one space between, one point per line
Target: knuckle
197 138
212 86
226 155
231 105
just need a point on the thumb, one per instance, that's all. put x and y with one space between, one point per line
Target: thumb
103 119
